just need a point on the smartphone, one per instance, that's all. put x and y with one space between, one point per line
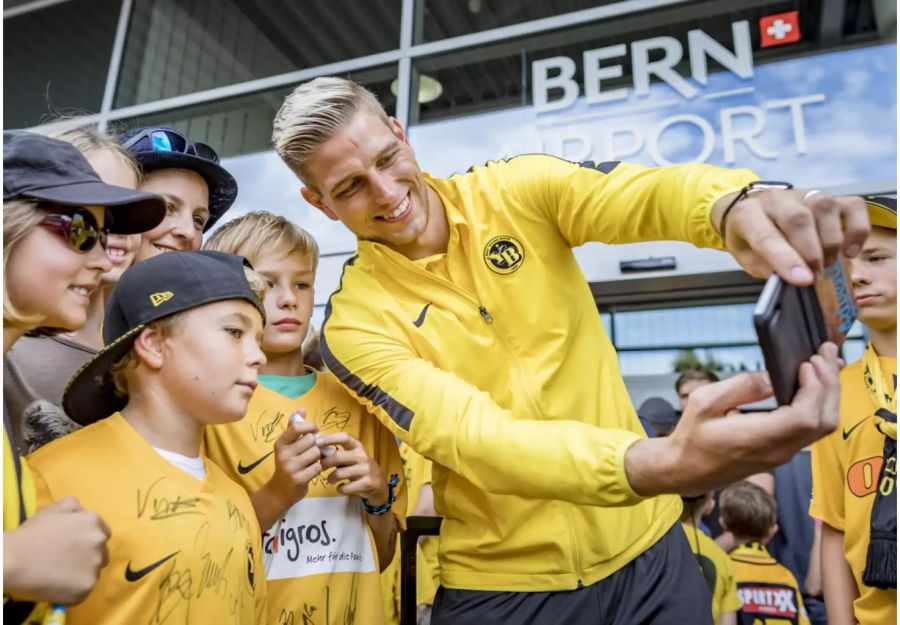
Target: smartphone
790 328
792 323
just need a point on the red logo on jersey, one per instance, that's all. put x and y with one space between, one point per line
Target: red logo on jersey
768 600
779 29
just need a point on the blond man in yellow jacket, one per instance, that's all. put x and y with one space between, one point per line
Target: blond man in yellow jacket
465 324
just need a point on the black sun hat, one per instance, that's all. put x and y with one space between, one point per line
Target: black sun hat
158 287
40 168
159 147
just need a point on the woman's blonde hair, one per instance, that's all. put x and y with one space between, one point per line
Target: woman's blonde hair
19 218
316 111
87 140
167 326
260 232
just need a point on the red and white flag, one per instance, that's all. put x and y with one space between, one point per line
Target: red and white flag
779 29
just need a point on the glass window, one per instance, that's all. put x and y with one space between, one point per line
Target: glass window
244 124
176 47
685 326
725 360
500 76
55 60
441 19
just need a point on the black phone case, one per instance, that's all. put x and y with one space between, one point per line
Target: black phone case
791 328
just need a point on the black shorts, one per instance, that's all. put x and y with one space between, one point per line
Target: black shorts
662 586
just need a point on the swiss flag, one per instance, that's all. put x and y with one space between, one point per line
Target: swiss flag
779 29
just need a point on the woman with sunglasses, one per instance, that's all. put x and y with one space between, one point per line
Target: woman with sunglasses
197 189
56 214
37 368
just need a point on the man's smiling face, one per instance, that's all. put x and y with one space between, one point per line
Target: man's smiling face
367 177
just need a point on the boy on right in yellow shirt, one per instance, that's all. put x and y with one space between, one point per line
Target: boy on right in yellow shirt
768 590
854 467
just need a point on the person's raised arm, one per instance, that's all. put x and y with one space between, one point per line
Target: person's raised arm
706 449
792 232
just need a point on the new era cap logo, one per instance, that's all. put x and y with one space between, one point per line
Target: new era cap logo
158 298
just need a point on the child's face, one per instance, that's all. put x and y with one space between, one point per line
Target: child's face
45 277
289 300
211 360
873 275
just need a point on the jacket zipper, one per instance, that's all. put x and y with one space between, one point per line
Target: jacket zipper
573 538
489 320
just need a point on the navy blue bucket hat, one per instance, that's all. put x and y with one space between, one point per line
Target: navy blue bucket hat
160 147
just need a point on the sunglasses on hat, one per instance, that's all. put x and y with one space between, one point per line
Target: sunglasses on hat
77 227
165 140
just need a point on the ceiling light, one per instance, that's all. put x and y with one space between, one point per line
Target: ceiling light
430 89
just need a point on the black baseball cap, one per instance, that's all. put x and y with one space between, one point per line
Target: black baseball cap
158 287
160 147
657 411
40 168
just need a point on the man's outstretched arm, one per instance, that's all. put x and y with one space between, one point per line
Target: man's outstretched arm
707 450
462 428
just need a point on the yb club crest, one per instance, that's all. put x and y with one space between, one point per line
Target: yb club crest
503 254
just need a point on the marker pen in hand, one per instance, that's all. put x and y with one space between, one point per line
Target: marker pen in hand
326 450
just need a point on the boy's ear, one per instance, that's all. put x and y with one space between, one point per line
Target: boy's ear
708 506
722 523
315 199
149 347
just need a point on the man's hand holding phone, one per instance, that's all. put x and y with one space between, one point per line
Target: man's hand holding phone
707 449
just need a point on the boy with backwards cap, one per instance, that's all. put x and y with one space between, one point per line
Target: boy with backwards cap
57 212
854 467
182 335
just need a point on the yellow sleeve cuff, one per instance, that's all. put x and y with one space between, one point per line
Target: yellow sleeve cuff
630 497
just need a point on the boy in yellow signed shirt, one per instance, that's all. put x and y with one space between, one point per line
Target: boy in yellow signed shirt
327 533
185 544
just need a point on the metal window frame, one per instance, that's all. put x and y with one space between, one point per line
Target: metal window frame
403 56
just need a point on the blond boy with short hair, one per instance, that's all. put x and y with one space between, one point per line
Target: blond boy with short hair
326 486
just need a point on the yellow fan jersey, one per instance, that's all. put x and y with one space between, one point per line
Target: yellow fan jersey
845 469
181 551
320 560
504 376
724 588
768 590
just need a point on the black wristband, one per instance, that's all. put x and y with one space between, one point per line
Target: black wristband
743 194
392 497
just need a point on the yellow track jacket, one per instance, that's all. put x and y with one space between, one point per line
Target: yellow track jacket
504 376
